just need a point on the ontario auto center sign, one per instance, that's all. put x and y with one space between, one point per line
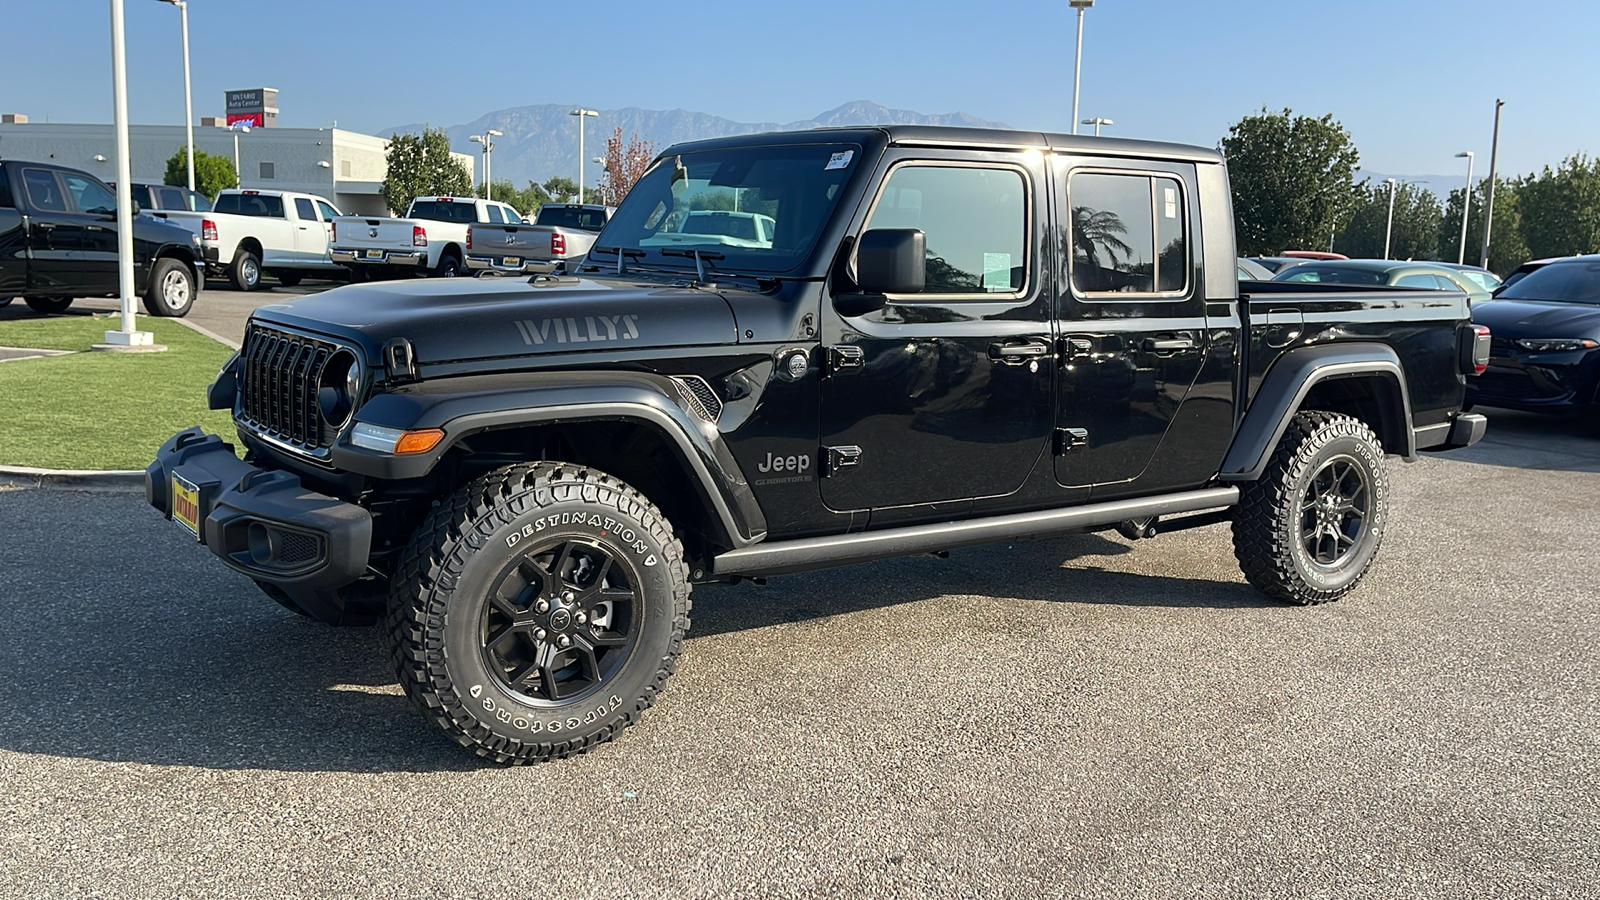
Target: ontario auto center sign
256 107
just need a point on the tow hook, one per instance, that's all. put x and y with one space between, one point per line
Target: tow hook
1135 529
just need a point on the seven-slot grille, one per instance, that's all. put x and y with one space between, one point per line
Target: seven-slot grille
278 386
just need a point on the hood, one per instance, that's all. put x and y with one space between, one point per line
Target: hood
458 319
1514 319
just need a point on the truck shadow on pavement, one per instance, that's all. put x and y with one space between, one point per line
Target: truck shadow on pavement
187 666
1523 440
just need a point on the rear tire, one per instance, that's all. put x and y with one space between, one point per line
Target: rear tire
449 266
50 306
290 279
245 272
1308 529
171 289
537 612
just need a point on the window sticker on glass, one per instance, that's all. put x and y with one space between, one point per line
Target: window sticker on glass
839 160
1170 195
997 271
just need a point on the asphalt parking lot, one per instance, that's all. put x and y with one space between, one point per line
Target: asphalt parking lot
1078 716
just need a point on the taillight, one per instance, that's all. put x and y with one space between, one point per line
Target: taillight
208 230
419 236
469 237
1480 349
558 244
333 231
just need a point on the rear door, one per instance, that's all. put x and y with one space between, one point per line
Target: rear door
948 394
1133 320
310 235
52 234
13 243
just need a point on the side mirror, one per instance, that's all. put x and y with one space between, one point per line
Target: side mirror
136 207
891 261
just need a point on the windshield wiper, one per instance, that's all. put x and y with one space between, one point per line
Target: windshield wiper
699 256
622 256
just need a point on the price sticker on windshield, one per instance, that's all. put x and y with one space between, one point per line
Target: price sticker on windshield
839 160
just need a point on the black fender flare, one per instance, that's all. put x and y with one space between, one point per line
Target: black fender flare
183 253
472 404
1284 388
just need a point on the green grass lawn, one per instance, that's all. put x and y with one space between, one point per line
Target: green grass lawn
103 410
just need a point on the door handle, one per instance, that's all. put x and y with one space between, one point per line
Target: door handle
1169 345
45 226
1015 354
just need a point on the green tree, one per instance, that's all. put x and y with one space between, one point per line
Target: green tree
526 201
1417 215
1292 176
560 188
1560 208
1507 248
211 173
419 165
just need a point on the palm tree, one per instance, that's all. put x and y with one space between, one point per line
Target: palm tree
1092 229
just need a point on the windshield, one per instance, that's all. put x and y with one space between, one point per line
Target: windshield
444 211
572 217
757 209
1574 282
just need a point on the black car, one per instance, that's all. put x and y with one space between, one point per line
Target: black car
1545 355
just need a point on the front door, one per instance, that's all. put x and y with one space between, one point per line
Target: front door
90 229
1132 309
947 394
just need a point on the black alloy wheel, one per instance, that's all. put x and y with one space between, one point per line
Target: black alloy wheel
1334 511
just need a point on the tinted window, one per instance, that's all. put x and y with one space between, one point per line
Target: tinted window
43 192
1482 279
512 217
304 209
572 217
5 190
444 211
1129 234
1417 280
1576 282
327 210
974 222
198 201
251 205
90 196
1330 275
170 198
796 186
493 212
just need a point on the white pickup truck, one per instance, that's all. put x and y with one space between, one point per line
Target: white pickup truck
431 238
559 233
248 232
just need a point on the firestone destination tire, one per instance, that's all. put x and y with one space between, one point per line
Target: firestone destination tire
1307 530
538 611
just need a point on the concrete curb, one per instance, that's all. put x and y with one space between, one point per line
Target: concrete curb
209 333
12 477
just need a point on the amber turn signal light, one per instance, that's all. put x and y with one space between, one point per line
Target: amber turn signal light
419 441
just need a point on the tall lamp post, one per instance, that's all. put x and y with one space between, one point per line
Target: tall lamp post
581 113
1097 122
125 338
487 140
237 127
1488 207
1388 230
1077 66
601 162
188 96
1466 204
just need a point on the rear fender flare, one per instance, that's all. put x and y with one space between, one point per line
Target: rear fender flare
1284 389
467 406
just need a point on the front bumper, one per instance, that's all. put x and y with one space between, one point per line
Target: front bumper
264 522
414 258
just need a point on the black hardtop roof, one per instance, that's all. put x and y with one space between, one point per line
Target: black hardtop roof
975 138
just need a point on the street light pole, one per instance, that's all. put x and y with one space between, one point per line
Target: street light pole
1488 207
581 113
237 127
1466 204
1097 122
126 337
487 140
1077 66
1388 230
188 96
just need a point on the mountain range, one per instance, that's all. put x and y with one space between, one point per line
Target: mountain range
542 140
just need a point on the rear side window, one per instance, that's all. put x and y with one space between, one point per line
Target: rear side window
1129 234
304 209
572 217
170 198
444 211
43 192
493 212
974 223
258 205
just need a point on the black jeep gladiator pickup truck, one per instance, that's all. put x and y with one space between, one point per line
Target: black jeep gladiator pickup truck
58 240
943 338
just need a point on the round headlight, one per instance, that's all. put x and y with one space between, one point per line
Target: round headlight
338 388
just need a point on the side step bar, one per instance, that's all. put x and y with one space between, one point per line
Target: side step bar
781 557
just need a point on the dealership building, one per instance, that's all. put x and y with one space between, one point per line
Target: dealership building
344 166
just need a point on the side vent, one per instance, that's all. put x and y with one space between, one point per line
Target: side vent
699 396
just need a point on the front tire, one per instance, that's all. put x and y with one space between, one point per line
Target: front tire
171 289
1308 529
538 611
245 271
50 306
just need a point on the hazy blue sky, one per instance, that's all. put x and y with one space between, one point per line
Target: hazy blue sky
1413 80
